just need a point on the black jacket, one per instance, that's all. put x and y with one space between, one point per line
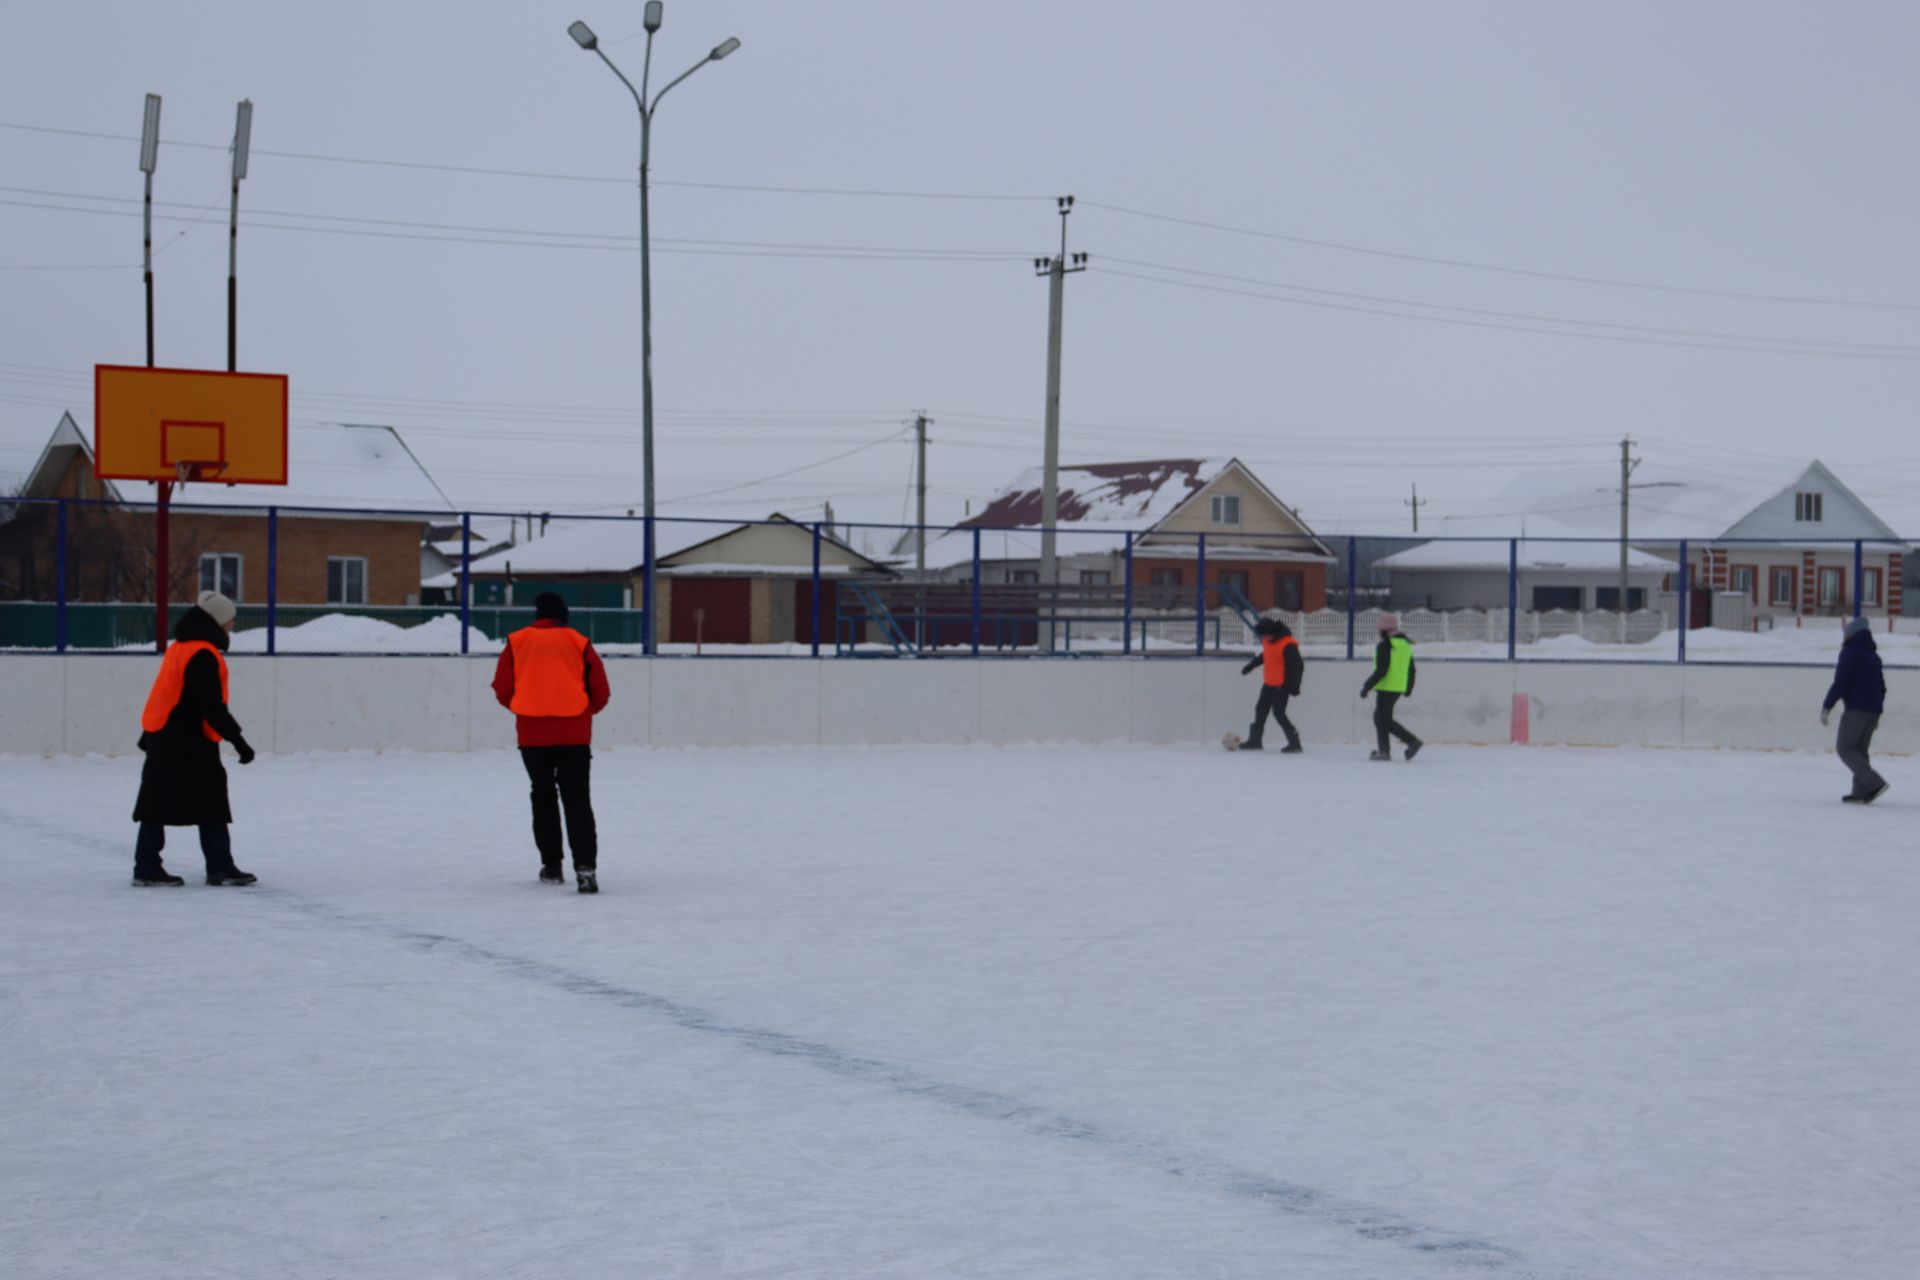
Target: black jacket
1383 659
183 783
1858 679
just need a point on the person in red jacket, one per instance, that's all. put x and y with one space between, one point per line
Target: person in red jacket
555 684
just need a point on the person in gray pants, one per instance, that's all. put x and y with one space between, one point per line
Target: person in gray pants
1861 686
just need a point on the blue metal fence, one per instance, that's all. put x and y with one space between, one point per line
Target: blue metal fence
988 601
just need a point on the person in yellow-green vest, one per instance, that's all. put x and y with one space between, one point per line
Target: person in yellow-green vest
1392 680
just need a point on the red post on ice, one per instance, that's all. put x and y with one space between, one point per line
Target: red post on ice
1522 708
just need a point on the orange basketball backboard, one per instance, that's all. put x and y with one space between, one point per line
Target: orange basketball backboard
175 424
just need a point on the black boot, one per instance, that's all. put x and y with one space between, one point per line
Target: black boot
150 879
1292 748
551 875
588 881
233 877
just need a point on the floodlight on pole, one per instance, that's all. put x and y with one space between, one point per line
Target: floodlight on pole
584 37
242 138
150 135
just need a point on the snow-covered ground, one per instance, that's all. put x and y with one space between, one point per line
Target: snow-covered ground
1020 1012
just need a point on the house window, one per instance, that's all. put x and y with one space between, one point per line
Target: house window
1164 577
1780 587
1833 590
1609 598
1095 577
1545 598
346 580
1806 507
1235 580
1289 591
1226 508
1870 588
220 571
1027 575
1744 579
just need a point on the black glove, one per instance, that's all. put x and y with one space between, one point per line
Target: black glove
246 752
1250 666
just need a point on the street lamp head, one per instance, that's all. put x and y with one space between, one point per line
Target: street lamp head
652 20
722 50
583 36
150 135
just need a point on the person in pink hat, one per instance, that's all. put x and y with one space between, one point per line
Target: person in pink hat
1392 680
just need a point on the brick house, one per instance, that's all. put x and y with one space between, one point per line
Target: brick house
1253 542
367 551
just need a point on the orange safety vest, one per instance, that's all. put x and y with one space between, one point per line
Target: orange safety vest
1273 660
172 682
549 672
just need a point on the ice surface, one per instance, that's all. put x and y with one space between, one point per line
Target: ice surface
1022 1012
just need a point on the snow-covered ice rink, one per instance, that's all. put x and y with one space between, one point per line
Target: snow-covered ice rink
972 1011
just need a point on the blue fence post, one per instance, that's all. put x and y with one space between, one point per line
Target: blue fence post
1859 575
1126 597
273 577
466 579
1686 614
1200 606
816 589
976 592
650 630
1353 568
1513 598
60 576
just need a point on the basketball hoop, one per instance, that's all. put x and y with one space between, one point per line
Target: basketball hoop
196 471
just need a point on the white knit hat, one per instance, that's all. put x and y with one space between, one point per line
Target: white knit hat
217 607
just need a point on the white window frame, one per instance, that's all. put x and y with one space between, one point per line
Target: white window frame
1807 508
1217 508
239 573
365 592
1838 577
1869 587
1774 574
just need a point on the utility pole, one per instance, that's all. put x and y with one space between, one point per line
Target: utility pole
920 424
1056 269
1416 503
1627 463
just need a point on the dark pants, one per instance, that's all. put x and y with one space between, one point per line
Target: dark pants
216 845
568 770
1273 698
1856 735
1384 723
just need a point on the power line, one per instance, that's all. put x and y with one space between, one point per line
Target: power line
1468 264
1515 315
1461 322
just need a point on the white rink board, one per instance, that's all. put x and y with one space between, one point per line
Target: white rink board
90 704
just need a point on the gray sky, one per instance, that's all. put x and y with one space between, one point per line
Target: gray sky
1737 147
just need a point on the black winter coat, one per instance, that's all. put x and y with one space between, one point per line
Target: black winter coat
183 783
1858 679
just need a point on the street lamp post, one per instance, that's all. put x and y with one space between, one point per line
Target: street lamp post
584 37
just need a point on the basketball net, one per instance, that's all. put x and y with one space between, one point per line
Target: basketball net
186 471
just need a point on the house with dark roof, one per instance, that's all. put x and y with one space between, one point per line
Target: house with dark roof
1177 524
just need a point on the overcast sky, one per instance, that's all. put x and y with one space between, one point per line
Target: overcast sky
1708 149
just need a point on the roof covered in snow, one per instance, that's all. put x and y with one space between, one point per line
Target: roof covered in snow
1538 549
1669 502
332 465
608 545
1136 495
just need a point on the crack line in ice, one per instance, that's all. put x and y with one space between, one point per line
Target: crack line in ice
1364 1220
